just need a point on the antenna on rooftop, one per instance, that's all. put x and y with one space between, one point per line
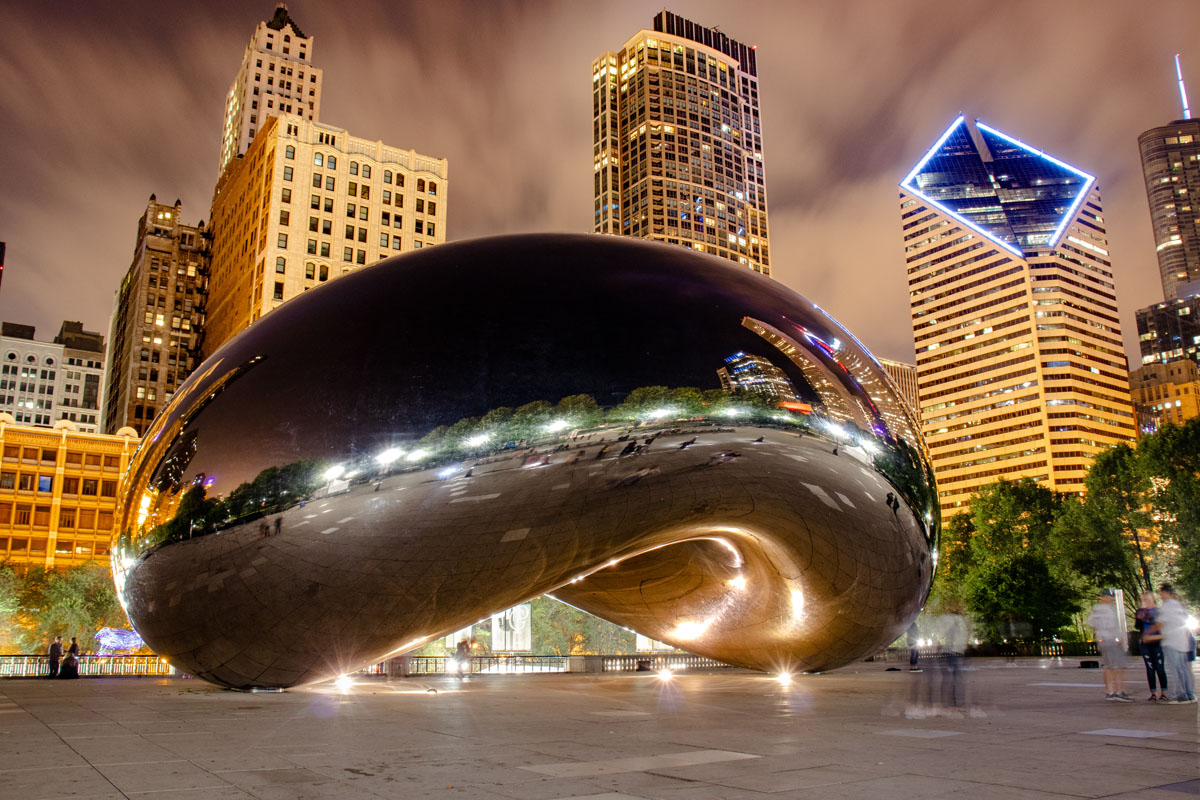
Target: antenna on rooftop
1187 114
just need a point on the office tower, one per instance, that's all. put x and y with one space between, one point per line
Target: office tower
276 77
44 383
58 493
308 203
756 375
1163 393
1170 330
1171 165
905 377
678 144
1019 355
158 317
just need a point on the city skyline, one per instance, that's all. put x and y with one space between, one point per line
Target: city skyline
847 102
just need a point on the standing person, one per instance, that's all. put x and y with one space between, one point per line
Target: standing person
1176 642
1150 646
55 654
279 519
1104 621
70 664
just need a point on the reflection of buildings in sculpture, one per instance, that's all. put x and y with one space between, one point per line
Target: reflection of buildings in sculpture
58 492
905 378
1165 393
819 376
1019 353
678 154
754 374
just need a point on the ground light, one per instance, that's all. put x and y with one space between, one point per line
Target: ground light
665 674
784 678
343 683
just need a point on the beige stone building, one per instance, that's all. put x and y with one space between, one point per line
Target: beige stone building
308 203
1020 362
276 76
677 142
58 492
158 318
44 382
1165 393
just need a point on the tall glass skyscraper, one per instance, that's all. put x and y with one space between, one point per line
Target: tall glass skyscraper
678 143
1020 365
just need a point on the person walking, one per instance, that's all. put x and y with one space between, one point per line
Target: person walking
55 654
1104 621
1176 642
913 639
462 658
1150 646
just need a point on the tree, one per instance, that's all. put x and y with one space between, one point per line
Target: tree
1010 517
10 605
1015 589
1169 460
77 602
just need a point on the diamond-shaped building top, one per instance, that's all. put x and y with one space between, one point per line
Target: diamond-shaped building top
1016 195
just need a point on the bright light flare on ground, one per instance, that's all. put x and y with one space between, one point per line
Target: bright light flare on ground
784 678
665 674
344 683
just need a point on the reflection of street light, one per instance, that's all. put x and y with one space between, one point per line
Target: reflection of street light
334 472
388 456
416 455
557 425
478 439
659 413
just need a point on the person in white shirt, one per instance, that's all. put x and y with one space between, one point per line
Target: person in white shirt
1176 641
1104 621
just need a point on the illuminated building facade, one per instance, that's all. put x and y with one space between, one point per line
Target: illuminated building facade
276 77
1165 393
677 142
1019 355
158 318
757 375
43 383
308 203
58 492
1169 331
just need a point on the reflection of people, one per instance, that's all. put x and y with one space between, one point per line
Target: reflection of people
1103 620
55 655
1150 646
1177 643
70 664
278 525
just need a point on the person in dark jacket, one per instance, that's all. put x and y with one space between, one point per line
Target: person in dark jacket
55 655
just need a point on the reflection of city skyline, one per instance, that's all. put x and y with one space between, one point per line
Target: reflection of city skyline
744 372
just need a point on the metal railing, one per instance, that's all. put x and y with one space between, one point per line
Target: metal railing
479 665
671 661
90 666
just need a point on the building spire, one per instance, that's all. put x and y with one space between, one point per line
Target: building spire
1187 114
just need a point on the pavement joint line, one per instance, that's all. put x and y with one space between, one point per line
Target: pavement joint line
185 789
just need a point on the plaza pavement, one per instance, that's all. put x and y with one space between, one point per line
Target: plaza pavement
1041 730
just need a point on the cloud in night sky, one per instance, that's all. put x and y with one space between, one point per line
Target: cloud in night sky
103 104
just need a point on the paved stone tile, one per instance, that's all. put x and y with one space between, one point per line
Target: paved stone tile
159 776
65 781
637 763
1127 732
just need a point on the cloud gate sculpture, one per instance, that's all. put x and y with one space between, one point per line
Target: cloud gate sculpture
662 438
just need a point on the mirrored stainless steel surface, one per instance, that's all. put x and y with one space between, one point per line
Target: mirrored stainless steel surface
669 441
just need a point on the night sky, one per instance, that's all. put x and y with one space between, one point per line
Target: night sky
102 104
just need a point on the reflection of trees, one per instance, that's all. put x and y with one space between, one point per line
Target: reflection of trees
271 491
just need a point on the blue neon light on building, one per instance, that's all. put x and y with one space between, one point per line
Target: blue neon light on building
1017 196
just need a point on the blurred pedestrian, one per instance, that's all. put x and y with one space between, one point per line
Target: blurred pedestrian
1150 646
1104 621
70 663
954 638
1176 643
914 640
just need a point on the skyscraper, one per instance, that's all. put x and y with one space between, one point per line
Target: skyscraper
276 77
158 317
1170 330
1171 166
308 203
905 377
1019 355
678 144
